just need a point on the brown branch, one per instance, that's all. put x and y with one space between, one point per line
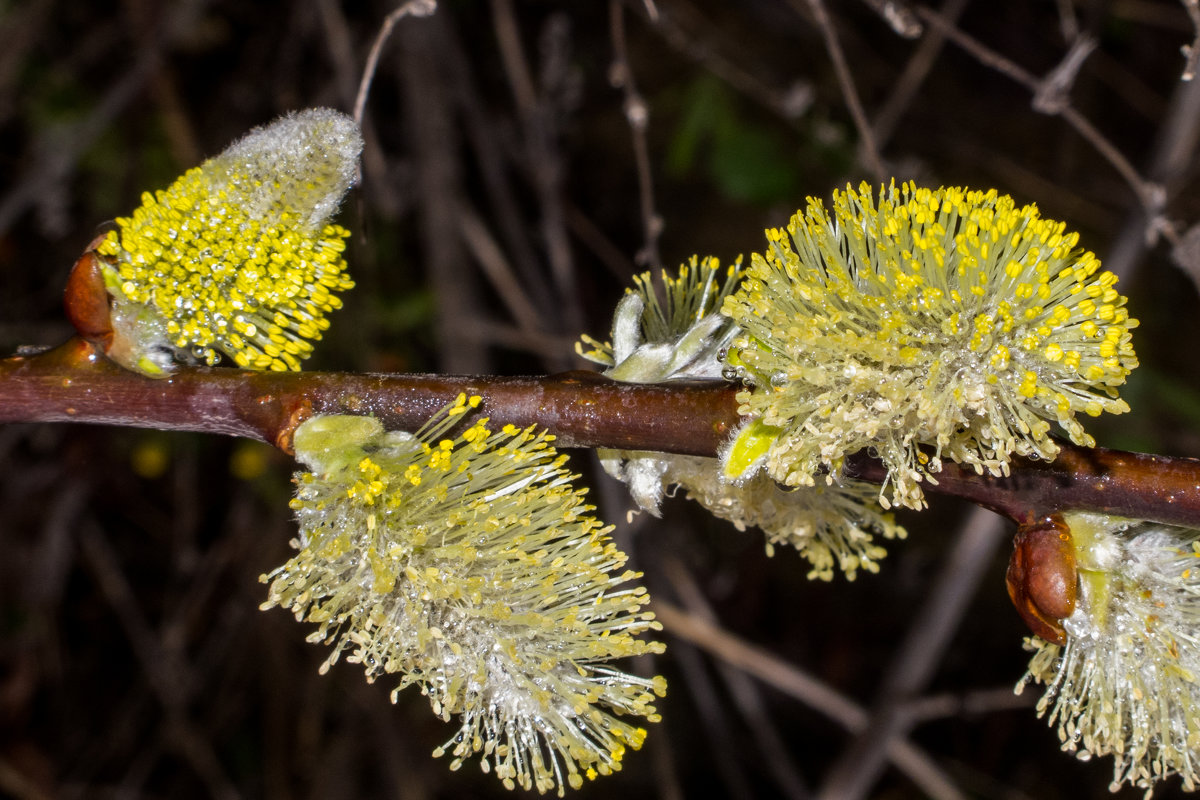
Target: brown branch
1136 485
73 383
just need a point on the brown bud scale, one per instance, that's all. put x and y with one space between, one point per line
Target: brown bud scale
85 299
1042 578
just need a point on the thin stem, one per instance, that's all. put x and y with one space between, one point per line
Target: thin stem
854 105
790 680
637 114
73 383
417 8
1149 194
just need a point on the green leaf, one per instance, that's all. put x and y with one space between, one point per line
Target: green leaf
749 448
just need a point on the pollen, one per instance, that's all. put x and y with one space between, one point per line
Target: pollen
465 562
238 256
948 319
836 528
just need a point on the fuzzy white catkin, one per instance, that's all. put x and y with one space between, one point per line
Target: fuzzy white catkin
469 566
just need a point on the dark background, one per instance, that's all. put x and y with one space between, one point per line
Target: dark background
500 164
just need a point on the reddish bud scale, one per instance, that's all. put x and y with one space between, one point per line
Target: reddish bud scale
1042 578
85 299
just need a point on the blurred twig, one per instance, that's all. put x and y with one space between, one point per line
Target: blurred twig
914 74
868 148
747 699
543 159
735 783
917 657
898 15
57 160
685 30
417 8
793 682
439 171
496 268
1174 152
168 677
1192 51
980 701
666 757
637 114
1149 194
341 53
1068 23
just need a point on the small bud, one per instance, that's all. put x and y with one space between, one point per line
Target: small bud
679 339
237 256
1042 578
85 298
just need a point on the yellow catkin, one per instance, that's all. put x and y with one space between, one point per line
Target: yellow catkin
910 316
478 574
237 256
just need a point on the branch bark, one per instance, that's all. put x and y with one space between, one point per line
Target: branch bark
74 383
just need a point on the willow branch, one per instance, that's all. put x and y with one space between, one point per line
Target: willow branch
73 383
